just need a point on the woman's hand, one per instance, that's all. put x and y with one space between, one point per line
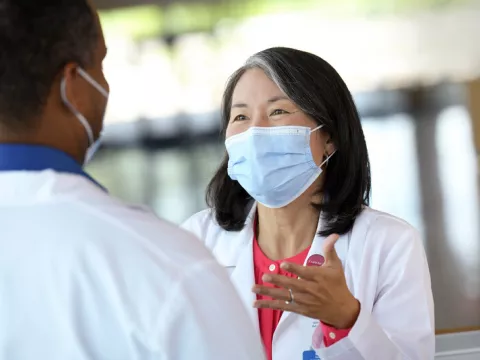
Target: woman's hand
320 293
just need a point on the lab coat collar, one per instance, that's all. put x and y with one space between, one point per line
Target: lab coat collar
25 157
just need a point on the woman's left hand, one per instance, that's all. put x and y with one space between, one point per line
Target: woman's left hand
320 292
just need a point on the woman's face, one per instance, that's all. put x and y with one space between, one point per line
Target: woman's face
258 101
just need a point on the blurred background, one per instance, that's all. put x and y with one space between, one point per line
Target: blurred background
412 65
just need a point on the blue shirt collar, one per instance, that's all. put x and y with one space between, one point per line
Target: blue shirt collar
22 157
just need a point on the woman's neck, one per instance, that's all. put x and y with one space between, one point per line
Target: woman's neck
285 232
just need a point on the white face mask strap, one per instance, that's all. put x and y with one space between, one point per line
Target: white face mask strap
79 116
328 158
317 128
92 82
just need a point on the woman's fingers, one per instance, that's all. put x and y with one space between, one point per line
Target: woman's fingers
286 282
281 305
274 293
282 294
303 272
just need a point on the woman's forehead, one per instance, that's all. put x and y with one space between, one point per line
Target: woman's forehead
254 85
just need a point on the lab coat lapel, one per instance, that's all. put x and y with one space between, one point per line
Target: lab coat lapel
243 276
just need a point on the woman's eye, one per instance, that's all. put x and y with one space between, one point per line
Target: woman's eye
278 112
239 118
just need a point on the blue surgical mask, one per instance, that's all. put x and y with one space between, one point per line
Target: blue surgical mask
273 164
93 144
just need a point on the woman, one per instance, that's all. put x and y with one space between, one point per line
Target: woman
324 276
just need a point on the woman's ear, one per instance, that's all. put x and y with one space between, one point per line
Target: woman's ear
330 147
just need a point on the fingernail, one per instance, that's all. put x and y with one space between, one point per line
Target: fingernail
266 278
284 266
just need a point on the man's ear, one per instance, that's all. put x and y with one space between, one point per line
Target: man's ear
71 83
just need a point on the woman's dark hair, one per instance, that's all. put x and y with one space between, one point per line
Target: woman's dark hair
319 91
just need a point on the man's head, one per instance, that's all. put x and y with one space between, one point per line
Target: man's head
45 43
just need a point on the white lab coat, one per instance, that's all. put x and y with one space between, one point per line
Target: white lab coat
83 276
386 270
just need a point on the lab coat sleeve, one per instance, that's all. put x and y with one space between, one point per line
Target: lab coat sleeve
400 326
206 320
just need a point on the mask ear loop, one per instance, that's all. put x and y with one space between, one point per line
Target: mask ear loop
317 128
93 82
325 162
79 116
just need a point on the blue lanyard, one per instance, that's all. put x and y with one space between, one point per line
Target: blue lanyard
22 157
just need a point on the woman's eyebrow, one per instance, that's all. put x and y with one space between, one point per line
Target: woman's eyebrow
239 105
271 100
278 98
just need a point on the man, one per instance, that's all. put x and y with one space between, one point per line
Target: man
81 275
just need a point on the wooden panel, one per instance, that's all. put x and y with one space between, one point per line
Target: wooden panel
457 330
474 103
